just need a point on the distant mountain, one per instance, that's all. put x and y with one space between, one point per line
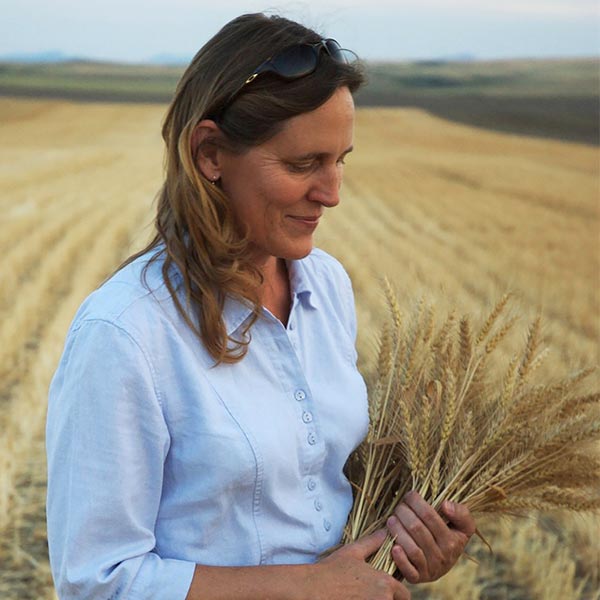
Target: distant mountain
57 56
49 56
463 58
169 59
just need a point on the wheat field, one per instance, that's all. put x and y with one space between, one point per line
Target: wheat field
454 214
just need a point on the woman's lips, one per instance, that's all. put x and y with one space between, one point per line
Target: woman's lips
306 221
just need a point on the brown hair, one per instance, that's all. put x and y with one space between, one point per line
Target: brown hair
194 221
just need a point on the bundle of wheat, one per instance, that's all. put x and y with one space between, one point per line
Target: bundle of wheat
447 422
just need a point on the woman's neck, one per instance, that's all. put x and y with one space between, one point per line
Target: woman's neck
275 290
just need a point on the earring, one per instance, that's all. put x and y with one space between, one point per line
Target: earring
214 180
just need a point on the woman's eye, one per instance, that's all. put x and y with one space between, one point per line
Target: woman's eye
300 167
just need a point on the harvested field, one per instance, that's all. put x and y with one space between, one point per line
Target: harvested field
452 213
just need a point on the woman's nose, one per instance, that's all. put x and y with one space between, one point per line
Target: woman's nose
326 188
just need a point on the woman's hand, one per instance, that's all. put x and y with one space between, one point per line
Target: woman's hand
344 574
427 548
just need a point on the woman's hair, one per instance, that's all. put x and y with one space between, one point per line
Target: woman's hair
194 221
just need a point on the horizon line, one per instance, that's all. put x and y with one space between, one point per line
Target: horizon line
462 57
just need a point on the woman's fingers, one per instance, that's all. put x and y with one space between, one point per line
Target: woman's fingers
427 515
344 574
369 544
416 542
428 547
408 570
460 517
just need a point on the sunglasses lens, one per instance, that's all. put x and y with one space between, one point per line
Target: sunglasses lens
340 54
295 61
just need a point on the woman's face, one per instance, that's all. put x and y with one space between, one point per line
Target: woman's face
279 189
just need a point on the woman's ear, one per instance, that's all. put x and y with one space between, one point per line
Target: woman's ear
206 149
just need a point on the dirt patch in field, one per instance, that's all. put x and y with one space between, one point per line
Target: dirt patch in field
566 118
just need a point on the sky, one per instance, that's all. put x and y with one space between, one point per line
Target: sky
137 30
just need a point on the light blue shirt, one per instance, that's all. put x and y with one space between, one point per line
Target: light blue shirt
158 460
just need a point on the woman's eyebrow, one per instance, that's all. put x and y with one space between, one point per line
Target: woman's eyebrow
319 155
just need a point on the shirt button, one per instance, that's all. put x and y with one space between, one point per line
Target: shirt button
318 505
306 416
312 439
326 525
300 395
311 485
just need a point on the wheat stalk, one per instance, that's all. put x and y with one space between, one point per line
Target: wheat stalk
448 421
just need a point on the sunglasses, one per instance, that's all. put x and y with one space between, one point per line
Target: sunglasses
295 62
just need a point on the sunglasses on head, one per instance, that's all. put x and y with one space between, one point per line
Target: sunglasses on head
295 62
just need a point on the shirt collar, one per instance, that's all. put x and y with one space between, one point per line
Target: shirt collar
301 284
235 312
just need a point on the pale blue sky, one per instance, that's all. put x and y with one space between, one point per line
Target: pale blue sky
135 30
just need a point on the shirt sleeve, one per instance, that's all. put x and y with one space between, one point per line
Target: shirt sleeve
107 440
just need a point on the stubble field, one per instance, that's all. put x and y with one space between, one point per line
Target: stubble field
454 214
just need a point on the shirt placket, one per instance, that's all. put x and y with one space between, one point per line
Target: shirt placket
312 451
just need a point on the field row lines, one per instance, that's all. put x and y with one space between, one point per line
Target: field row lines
406 254
58 172
80 266
416 225
23 261
38 299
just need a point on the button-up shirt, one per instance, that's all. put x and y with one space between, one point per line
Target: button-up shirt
158 459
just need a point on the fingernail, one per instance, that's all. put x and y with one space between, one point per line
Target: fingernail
450 507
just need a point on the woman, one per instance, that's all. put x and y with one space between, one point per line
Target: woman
208 397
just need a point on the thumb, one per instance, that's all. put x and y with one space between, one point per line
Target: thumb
460 517
369 544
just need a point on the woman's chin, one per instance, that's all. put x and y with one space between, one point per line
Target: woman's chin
299 252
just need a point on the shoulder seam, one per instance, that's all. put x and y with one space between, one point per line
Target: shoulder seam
146 292
153 372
